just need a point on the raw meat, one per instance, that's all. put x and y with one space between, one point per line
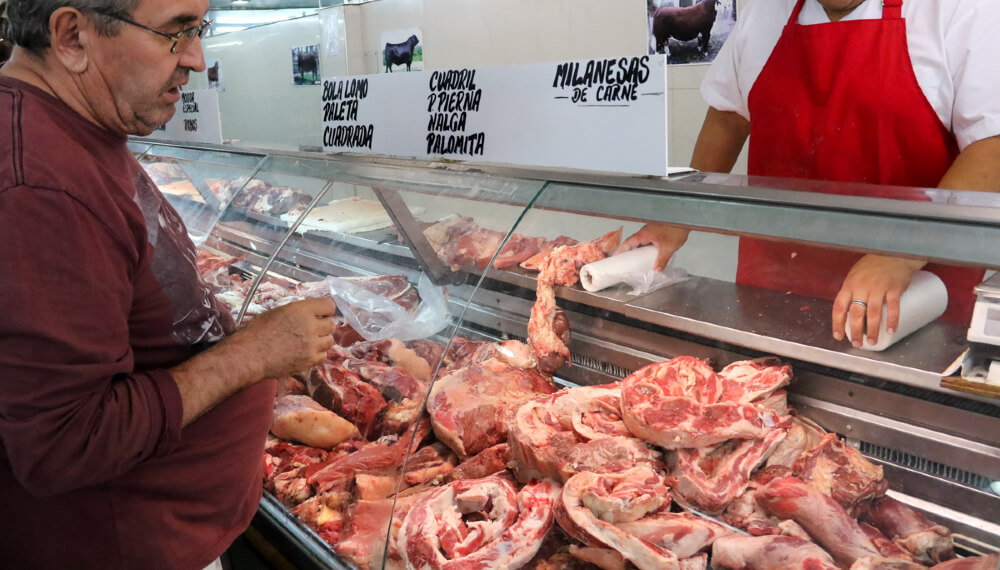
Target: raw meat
592 504
710 478
886 547
478 524
378 456
534 263
460 352
991 562
340 390
468 408
674 405
518 249
822 517
164 172
930 543
394 382
489 461
548 329
300 418
802 435
769 553
841 472
214 269
748 380
461 243
263 198
576 429
684 534
324 514
362 540
429 463
871 563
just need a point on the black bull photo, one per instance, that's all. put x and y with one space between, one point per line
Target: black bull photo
684 24
308 62
400 54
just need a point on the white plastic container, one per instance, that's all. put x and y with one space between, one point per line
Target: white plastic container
923 301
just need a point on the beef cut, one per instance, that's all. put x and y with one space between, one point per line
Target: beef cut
342 391
841 472
930 543
300 418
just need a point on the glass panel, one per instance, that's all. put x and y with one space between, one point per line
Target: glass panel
333 234
198 183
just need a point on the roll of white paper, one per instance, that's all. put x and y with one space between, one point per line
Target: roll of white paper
923 301
608 272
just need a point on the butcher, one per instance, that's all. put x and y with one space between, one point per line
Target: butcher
132 416
895 92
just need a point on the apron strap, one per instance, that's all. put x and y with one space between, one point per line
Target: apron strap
794 18
892 9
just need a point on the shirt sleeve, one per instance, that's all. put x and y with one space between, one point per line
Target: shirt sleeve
973 44
73 411
720 88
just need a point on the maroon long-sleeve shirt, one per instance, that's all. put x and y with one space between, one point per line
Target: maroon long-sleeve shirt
99 296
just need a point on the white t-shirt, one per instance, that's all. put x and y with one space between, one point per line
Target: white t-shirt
954 46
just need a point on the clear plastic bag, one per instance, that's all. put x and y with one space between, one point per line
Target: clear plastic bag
651 280
378 318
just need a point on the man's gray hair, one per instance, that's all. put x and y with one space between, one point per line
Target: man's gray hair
28 20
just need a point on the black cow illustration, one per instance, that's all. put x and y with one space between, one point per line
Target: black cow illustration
684 24
308 61
398 54
213 75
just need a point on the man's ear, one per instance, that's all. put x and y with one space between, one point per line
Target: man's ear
70 36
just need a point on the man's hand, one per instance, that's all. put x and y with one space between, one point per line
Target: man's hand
667 239
292 338
876 281
274 344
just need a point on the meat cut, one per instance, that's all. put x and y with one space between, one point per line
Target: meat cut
840 472
468 408
592 504
300 418
769 553
576 429
478 524
341 390
709 478
822 517
547 328
930 543
675 404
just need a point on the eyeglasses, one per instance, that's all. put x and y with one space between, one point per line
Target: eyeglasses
181 39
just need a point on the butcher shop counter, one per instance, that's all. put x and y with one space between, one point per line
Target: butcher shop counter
938 447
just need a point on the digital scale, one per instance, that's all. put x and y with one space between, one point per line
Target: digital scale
982 363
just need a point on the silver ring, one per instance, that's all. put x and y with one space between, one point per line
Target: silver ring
859 302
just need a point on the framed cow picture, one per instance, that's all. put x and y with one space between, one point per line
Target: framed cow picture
689 31
305 65
402 50
213 70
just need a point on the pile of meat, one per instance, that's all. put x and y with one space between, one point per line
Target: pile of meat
500 470
231 287
261 197
463 244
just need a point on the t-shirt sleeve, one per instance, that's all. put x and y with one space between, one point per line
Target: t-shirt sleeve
720 88
973 45
73 413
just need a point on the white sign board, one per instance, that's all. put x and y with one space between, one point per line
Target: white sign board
605 114
196 120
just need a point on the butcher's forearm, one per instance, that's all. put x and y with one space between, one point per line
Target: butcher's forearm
720 141
976 168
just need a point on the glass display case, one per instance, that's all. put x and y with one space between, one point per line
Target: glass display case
447 328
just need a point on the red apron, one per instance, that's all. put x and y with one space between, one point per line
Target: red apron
839 101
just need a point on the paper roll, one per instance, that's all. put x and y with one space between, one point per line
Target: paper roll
923 301
608 272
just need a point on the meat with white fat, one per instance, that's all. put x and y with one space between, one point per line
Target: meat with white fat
770 553
300 418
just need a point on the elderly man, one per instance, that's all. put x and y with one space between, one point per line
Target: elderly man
130 436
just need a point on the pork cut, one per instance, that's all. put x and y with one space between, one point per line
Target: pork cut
300 418
769 553
468 408
593 504
478 524
674 404
576 429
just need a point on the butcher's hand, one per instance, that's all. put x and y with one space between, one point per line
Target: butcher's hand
275 344
876 281
667 239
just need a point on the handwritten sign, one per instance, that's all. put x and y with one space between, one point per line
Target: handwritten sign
196 119
603 114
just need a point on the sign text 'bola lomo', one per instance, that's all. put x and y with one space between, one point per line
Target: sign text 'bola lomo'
341 100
